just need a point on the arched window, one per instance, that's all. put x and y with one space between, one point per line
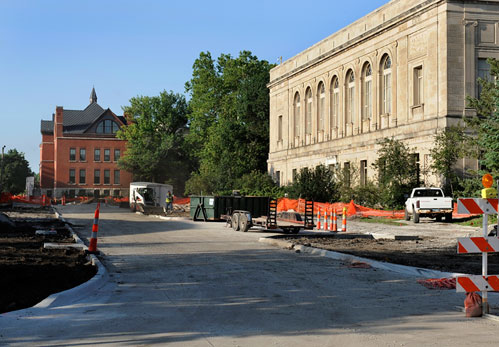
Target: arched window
296 115
308 111
386 85
107 127
321 105
350 97
367 92
335 101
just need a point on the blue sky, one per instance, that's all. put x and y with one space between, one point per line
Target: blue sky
52 52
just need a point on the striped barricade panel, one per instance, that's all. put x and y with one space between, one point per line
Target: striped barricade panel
476 206
477 244
477 283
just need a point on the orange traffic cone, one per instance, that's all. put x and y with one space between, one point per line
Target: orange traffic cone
324 227
344 220
335 221
92 248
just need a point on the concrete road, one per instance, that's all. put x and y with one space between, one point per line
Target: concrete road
201 284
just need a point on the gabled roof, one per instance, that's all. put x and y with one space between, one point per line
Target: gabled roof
77 121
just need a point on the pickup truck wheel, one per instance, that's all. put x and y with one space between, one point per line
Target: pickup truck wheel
448 217
439 218
235 221
406 214
416 217
243 222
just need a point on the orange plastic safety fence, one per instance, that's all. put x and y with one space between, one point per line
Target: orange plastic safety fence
285 204
181 201
353 209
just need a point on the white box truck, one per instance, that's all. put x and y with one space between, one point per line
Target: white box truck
148 197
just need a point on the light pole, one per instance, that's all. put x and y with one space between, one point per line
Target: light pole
1 171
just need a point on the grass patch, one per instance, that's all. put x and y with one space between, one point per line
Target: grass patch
381 221
478 221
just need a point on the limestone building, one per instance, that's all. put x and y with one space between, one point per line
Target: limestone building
402 71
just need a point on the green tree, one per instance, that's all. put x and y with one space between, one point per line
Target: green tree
15 170
486 122
347 178
228 123
449 146
317 184
257 183
155 139
397 172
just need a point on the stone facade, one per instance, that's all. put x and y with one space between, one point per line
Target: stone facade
402 71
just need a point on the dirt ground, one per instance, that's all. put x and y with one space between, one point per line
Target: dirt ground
29 272
430 245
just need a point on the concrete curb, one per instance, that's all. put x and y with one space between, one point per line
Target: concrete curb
69 296
401 269
173 218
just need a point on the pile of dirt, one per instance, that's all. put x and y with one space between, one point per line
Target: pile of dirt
424 252
29 272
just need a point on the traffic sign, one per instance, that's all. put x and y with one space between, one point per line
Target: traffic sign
476 206
477 245
477 283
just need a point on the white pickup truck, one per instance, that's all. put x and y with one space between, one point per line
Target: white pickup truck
428 202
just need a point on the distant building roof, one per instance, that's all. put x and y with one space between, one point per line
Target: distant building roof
77 121
47 127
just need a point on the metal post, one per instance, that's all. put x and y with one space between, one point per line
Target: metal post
1 170
485 304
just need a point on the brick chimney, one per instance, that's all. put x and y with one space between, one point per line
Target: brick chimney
58 122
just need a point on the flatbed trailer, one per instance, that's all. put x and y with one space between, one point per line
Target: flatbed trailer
243 213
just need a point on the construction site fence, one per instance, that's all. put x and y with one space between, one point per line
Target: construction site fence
352 209
46 201
283 204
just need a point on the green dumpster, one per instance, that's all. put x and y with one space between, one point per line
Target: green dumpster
216 206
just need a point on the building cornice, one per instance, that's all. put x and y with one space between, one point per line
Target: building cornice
389 24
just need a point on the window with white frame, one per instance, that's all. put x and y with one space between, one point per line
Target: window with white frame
296 114
386 88
350 98
335 101
321 105
367 93
72 174
308 111
418 86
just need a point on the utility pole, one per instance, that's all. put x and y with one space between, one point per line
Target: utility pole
1 170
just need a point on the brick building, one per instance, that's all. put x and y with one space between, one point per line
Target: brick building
79 153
